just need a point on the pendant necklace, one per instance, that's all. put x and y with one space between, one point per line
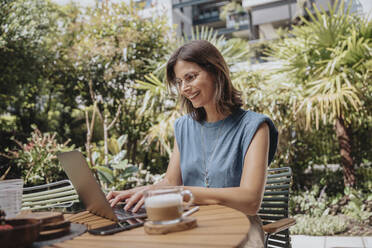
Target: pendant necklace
206 176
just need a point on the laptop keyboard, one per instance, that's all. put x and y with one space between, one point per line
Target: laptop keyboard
121 214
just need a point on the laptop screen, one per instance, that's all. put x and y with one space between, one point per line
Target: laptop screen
87 187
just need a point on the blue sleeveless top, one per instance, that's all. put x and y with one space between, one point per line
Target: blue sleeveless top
212 154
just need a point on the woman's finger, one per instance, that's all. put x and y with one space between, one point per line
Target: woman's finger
138 205
133 199
119 198
110 195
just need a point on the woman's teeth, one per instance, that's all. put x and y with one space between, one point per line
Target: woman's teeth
193 96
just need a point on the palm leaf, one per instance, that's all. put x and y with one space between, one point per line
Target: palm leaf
328 57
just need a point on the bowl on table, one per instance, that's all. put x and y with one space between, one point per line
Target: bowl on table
21 233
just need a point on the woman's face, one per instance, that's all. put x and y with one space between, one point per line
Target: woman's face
195 84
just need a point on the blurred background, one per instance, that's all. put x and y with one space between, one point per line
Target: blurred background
90 75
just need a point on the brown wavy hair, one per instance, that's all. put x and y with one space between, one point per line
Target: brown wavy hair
207 56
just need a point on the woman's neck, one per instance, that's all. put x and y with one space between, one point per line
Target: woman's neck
213 115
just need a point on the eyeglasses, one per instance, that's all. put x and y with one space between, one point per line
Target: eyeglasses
189 78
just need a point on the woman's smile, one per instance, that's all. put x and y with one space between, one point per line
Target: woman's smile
193 96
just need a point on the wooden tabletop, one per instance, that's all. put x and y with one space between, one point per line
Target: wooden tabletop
218 226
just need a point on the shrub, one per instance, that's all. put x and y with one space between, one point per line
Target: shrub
315 203
311 202
319 226
358 205
37 158
118 173
319 214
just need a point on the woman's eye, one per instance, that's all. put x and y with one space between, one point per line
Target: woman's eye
190 77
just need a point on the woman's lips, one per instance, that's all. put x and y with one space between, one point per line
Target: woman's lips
193 96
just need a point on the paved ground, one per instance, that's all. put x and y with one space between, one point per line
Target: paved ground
302 241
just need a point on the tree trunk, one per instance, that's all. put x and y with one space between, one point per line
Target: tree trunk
347 162
105 139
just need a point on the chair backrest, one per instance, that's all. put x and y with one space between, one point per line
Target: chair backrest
275 203
58 194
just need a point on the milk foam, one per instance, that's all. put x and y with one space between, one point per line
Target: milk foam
160 201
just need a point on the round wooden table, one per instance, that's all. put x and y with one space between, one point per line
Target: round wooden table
218 226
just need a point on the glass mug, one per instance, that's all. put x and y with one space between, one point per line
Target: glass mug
165 205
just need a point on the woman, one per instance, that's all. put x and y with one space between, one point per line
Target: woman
221 152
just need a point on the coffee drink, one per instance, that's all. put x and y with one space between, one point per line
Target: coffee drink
165 205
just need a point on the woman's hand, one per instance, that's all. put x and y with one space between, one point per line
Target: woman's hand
135 196
131 197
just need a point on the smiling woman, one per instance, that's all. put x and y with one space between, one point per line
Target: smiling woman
201 66
221 152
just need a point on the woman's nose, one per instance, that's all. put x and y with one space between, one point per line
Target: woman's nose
185 87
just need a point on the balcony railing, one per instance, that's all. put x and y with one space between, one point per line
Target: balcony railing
190 3
223 31
237 19
207 17
252 3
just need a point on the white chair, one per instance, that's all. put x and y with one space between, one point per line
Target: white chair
59 194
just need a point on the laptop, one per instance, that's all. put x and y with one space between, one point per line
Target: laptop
89 191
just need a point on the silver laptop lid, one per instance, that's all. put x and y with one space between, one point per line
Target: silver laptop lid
88 189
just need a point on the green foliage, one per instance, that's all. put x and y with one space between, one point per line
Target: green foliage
316 203
362 141
327 59
114 48
7 122
325 225
34 69
51 53
319 214
357 205
232 7
311 203
330 179
365 178
26 30
119 173
325 66
37 158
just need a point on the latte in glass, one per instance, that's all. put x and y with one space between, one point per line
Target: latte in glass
165 206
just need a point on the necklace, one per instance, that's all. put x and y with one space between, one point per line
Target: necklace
206 176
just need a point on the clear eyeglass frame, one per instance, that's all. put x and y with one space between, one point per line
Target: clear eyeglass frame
188 79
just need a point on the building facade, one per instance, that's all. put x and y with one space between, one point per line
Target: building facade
250 19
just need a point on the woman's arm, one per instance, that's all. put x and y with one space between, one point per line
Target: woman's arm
248 196
173 175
